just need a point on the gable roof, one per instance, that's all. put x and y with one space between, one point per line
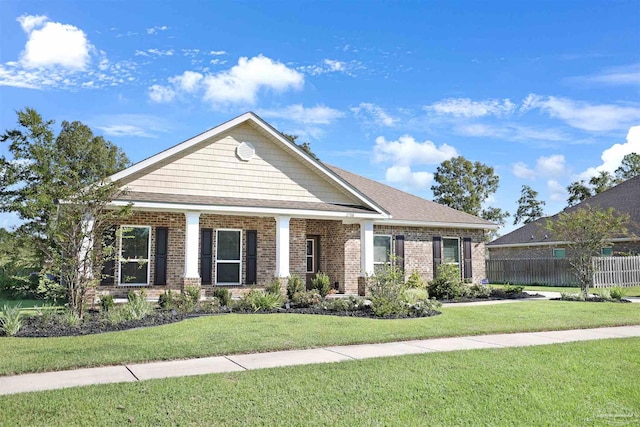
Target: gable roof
407 209
624 198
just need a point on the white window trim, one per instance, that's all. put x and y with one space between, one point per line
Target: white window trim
553 253
121 259
390 252
313 255
228 261
459 263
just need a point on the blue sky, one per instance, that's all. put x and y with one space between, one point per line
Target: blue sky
545 92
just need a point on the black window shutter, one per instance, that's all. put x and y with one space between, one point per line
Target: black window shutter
437 254
252 257
206 255
400 251
466 249
162 245
109 266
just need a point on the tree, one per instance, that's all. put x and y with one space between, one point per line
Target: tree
586 230
629 167
529 207
465 186
578 191
305 146
57 187
602 182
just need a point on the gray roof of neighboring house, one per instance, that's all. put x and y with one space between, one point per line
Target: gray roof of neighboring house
407 207
624 197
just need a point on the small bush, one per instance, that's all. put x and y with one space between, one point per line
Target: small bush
449 272
11 320
411 296
106 302
50 289
617 293
71 318
513 289
137 306
565 296
386 289
167 300
304 299
188 299
478 291
605 294
193 293
274 287
209 305
321 283
423 308
415 281
294 285
257 300
441 288
223 295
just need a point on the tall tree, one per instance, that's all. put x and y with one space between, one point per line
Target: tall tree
56 186
629 167
586 230
305 146
465 186
529 207
578 191
602 182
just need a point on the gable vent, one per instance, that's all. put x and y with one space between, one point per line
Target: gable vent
245 151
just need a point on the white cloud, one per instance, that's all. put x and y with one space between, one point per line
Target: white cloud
243 81
373 113
612 156
552 165
511 132
557 192
157 29
188 81
154 52
407 151
465 107
403 176
124 130
217 52
521 170
332 66
318 115
127 125
616 76
52 44
582 115
161 94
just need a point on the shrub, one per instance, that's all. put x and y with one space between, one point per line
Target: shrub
167 300
71 318
294 285
565 296
11 320
274 287
257 300
617 293
223 295
193 293
413 295
50 289
18 287
447 284
209 305
106 302
423 308
137 306
304 299
386 289
513 289
188 299
321 283
449 272
478 291
415 281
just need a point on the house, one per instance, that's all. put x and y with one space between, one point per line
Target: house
240 204
533 240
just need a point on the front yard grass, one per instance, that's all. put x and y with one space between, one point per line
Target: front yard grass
235 333
563 384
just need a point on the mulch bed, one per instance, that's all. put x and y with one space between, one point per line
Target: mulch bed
592 299
496 295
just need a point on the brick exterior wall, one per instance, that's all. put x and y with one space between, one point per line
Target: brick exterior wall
339 249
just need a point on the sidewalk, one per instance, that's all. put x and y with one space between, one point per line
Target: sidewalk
244 362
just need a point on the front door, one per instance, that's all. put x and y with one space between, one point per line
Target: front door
312 257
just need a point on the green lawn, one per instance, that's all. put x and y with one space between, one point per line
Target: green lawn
235 333
563 384
633 291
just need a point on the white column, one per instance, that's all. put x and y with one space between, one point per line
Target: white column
84 257
366 248
282 246
192 238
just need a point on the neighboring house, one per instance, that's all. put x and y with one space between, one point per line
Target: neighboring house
240 204
533 240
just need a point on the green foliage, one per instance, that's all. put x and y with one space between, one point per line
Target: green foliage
11 320
447 284
257 300
350 303
304 299
71 318
294 285
106 302
586 230
321 283
137 306
50 290
513 289
17 287
629 167
529 207
167 300
223 295
566 296
413 295
423 307
386 289
478 291
617 293
273 287
415 281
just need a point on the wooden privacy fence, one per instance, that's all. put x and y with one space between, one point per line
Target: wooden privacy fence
609 271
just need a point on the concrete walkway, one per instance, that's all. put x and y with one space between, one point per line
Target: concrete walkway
244 362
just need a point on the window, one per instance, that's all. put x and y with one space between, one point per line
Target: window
228 257
134 255
381 251
311 250
606 251
559 253
450 251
